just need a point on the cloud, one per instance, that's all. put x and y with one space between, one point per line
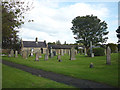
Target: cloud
53 22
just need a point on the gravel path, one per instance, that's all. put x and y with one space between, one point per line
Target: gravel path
79 83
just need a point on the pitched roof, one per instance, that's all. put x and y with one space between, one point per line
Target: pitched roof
54 46
34 44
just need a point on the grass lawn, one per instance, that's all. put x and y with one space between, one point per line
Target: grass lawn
15 78
78 68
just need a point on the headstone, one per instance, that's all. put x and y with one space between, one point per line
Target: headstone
47 54
12 53
69 52
36 56
85 52
16 53
72 54
31 52
54 53
61 52
24 54
91 48
108 59
92 55
91 65
58 57
59 60
51 53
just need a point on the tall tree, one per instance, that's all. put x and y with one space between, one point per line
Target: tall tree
89 28
58 42
12 19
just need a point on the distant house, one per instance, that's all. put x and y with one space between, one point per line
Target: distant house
34 45
42 46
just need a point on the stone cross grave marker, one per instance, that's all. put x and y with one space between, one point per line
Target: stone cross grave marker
16 53
108 57
72 54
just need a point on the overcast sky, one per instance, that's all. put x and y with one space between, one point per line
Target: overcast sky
52 19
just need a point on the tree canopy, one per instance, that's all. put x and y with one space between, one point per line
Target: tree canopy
12 19
89 28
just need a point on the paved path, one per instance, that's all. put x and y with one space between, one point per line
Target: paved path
79 83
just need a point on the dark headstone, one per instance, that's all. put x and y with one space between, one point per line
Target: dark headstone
59 60
91 65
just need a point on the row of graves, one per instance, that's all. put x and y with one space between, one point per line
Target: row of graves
50 53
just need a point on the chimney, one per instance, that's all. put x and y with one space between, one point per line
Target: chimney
36 40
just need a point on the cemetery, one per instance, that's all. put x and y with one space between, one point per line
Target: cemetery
85 60
77 65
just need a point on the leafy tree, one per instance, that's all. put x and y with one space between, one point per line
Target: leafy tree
12 19
58 42
113 47
89 28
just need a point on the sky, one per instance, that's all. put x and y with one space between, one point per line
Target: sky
52 19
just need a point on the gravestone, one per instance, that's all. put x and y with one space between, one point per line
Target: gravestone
58 57
69 52
16 53
92 55
40 56
61 52
59 60
54 53
37 56
12 53
91 48
24 54
72 54
108 56
91 65
85 51
51 52
31 52
28 53
46 55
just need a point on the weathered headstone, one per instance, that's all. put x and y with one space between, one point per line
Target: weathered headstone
72 54
91 48
54 53
24 54
47 54
36 56
51 52
108 57
12 53
58 57
92 55
31 52
85 52
16 53
61 52
59 60
91 65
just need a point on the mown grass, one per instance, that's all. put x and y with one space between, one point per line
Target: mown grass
15 78
78 68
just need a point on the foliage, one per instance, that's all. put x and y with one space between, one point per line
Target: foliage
58 42
89 28
113 47
97 52
12 19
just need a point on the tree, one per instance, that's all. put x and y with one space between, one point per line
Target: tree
89 28
58 42
12 19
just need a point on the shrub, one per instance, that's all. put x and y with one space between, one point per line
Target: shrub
97 52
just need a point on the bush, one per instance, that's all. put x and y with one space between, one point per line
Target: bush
97 52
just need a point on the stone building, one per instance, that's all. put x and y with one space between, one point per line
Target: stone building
34 46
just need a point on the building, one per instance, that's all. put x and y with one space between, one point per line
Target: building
34 46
